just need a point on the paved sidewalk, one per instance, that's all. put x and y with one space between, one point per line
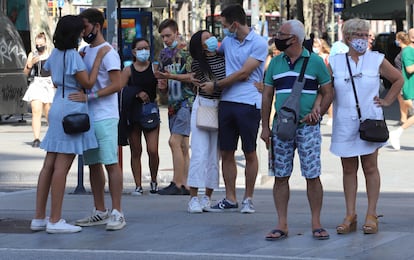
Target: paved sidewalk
159 226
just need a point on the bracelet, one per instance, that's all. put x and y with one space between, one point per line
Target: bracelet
93 95
216 86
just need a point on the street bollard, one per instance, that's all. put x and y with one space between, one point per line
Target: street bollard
80 188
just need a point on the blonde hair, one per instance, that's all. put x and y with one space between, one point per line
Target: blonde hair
403 37
353 25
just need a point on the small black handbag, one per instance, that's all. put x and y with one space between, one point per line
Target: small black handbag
77 122
371 130
150 116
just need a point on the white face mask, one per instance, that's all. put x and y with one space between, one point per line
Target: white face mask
360 45
315 50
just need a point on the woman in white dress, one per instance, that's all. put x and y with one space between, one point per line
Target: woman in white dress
366 67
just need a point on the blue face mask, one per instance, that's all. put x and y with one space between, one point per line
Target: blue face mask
359 45
212 44
143 55
173 45
397 43
227 32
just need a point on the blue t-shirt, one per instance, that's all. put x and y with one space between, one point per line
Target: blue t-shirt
236 54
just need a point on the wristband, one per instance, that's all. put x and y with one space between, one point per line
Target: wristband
93 95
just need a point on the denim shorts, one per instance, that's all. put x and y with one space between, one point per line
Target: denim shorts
180 123
238 120
106 132
308 142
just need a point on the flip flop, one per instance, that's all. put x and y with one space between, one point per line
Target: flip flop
281 233
320 237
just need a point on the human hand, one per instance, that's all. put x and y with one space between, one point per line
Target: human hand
259 86
207 87
265 136
381 102
143 96
162 75
79 96
312 118
162 85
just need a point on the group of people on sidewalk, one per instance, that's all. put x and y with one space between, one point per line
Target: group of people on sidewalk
230 78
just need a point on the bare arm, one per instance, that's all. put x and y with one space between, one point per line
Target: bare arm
267 100
31 60
88 81
241 75
394 76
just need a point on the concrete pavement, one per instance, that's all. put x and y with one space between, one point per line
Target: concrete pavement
159 226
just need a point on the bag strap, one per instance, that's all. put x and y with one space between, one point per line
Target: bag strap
353 86
64 70
302 70
297 88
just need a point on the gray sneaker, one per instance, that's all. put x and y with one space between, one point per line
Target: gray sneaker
97 218
247 206
117 221
223 206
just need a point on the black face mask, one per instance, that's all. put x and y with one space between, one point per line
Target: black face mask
90 37
40 48
281 44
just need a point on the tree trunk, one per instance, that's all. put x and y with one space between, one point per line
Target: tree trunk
39 22
299 8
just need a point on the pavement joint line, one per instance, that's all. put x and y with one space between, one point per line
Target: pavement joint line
169 253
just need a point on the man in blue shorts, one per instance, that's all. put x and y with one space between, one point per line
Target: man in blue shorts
103 107
281 74
239 108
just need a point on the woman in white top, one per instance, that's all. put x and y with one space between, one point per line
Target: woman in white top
366 67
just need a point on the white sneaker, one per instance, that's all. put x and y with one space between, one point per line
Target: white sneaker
39 224
247 206
61 227
97 218
194 205
137 192
395 140
205 202
117 221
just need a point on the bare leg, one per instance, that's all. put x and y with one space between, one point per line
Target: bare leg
46 108
136 151
152 140
315 197
115 180
37 106
350 183
62 165
281 195
97 180
43 185
252 167
229 169
176 145
372 181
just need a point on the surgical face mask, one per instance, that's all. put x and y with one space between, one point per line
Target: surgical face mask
40 48
212 44
142 55
90 36
174 44
282 45
397 43
227 32
359 45
315 50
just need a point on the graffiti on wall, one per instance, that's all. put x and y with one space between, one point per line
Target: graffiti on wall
10 52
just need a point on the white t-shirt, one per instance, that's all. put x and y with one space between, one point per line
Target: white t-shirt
103 107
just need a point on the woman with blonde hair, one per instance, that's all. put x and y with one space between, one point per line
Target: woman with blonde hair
359 69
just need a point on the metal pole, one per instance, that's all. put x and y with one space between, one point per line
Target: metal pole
80 188
121 56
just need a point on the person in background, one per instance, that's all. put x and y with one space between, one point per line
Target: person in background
239 109
175 65
69 74
103 104
346 142
279 80
204 162
321 47
272 52
141 88
41 90
407 65
402 40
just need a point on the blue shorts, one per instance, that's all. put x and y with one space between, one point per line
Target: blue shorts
180 123
106 132
238 120
308 141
